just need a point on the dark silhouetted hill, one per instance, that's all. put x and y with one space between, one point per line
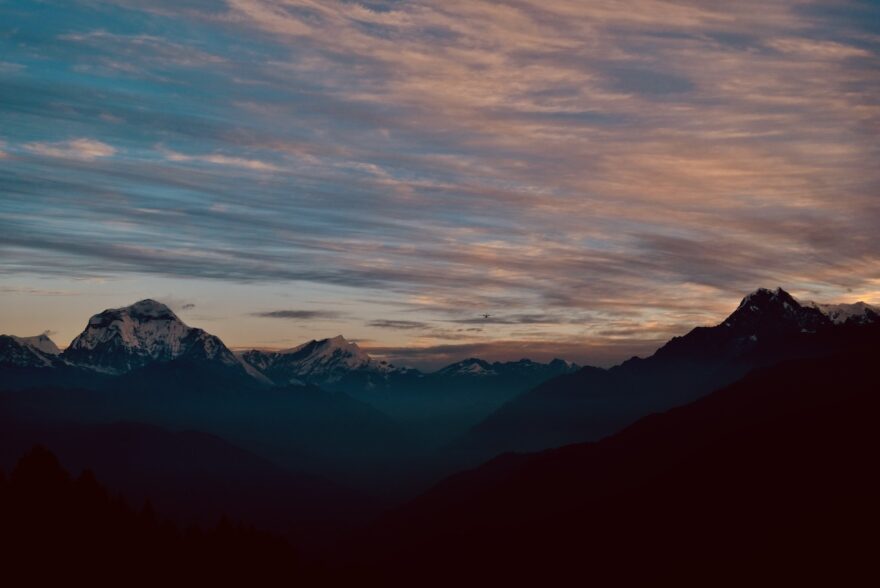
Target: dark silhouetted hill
769 481
193 477
61 530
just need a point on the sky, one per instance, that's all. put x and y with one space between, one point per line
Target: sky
596 176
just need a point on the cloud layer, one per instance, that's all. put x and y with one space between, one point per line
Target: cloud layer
588 173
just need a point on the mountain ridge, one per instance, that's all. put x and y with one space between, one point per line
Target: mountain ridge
767 326
765 475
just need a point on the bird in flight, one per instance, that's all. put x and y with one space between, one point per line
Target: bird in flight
485 316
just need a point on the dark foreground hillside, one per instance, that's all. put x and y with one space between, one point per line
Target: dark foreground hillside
69 530
770 479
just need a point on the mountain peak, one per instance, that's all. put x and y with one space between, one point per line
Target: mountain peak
764 296
121 339
41 342
150 308
765 310
763 314
319 361
36 351
468 366
855 313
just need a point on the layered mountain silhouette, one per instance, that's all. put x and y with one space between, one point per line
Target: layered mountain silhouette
762 474
60 529
142 364
191 477
327 408
136 346
767 327
766 481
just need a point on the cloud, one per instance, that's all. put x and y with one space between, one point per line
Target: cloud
584 171
220 159
513 319
298 314
188 306
83 149
397 324
37 291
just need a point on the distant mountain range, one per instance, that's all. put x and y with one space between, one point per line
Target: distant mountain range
119 340
325 407
436 406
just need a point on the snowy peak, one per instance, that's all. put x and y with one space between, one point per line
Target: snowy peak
337 350
779 305
765 319
764 299
773 310
474 366
121 339
471 366
317 362
859 313
41 343
28 352
149 309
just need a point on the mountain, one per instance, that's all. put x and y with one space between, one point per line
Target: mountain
766 481
58 529
119 340
442 405
28 352
303 428
524 367
41 343
188 475
437 406
324 363
768 326
857 313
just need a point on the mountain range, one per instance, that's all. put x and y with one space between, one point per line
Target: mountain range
325 407
437 406
767 327
633 459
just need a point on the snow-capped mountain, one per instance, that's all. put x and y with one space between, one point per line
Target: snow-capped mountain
37 351
778 307
318 362
776 310
340 364
474 366
763 316
858 313
119 340
468 367
41 343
